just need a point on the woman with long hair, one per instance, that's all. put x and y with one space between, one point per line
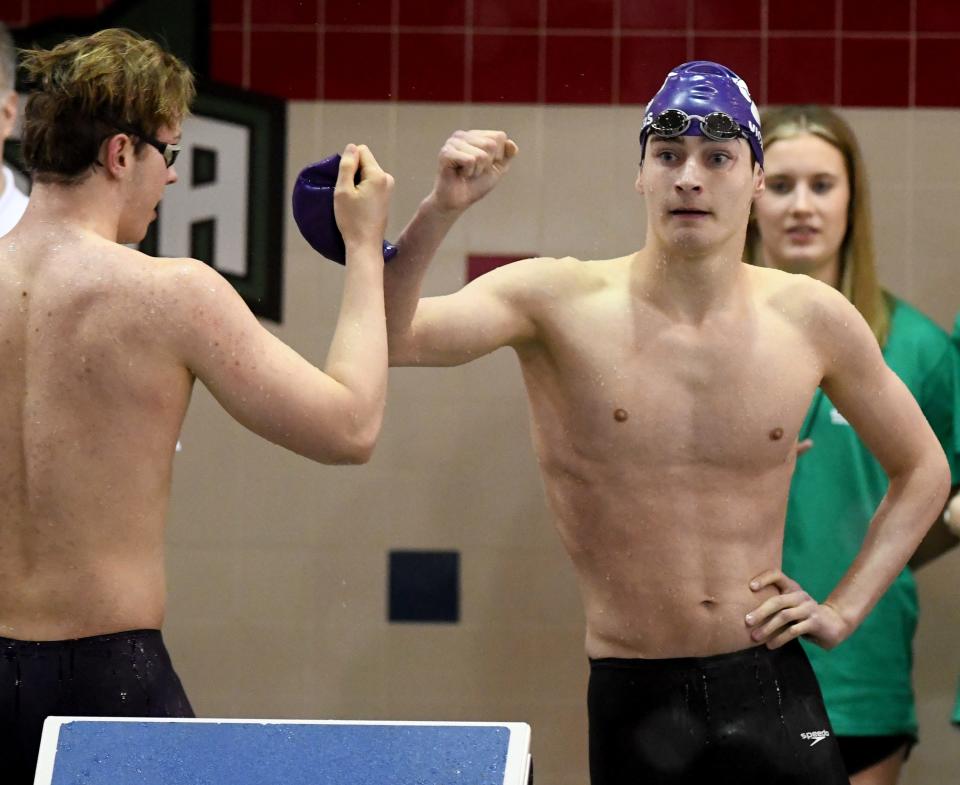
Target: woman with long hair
814 218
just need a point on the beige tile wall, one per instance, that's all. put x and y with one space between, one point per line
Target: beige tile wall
278 566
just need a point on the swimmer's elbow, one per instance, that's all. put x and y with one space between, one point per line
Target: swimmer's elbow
355 443
944 481
929 476
348 458
937 470
413 345
940 484
437 353
411 357
401 351
342 454
361 451
396 356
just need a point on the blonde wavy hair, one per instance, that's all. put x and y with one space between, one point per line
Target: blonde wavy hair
858 271
87 89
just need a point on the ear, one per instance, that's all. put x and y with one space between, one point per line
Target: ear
8 115
638 185
759 181
117 153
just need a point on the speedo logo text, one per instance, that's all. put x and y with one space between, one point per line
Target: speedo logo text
815 736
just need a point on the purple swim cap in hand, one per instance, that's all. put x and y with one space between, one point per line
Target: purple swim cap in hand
314 214
699 88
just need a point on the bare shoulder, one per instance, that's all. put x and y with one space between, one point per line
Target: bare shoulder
128 267
547 279
180 300
523 272
190 277
826 320
161 285
804 301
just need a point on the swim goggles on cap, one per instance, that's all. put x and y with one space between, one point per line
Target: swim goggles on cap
718 126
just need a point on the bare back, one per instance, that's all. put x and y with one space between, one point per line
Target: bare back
91 404
667 450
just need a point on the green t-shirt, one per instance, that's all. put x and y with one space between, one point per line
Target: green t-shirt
836 488
956 436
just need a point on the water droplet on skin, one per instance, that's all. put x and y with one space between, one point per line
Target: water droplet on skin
779 699
706 695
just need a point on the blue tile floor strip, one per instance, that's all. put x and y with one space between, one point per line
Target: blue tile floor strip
134 753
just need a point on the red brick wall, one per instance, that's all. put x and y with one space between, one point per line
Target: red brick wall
844 52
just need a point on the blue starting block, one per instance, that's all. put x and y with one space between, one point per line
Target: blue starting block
120 751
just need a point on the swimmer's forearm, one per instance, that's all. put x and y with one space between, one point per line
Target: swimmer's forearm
403 277
913 501
358 351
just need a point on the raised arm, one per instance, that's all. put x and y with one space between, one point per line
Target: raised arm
333 415
890 423
441 331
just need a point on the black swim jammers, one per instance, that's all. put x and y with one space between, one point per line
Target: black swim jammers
752 717
125 674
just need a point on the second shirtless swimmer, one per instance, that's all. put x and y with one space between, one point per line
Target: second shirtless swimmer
667 388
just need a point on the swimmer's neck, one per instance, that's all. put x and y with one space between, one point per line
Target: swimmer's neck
86 207
688 286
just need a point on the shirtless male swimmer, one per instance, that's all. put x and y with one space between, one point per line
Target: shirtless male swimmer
667 389
100 346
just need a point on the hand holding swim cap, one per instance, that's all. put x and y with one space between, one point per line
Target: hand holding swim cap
343 200
470 166
697 90
361 207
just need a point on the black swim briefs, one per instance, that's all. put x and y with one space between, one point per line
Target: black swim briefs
124 674
752 717
862 752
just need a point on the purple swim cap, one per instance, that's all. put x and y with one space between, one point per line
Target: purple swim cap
314 214
699 88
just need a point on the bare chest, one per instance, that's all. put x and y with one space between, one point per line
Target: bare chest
732 396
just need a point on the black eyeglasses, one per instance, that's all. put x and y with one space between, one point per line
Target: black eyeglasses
718 126
168 150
